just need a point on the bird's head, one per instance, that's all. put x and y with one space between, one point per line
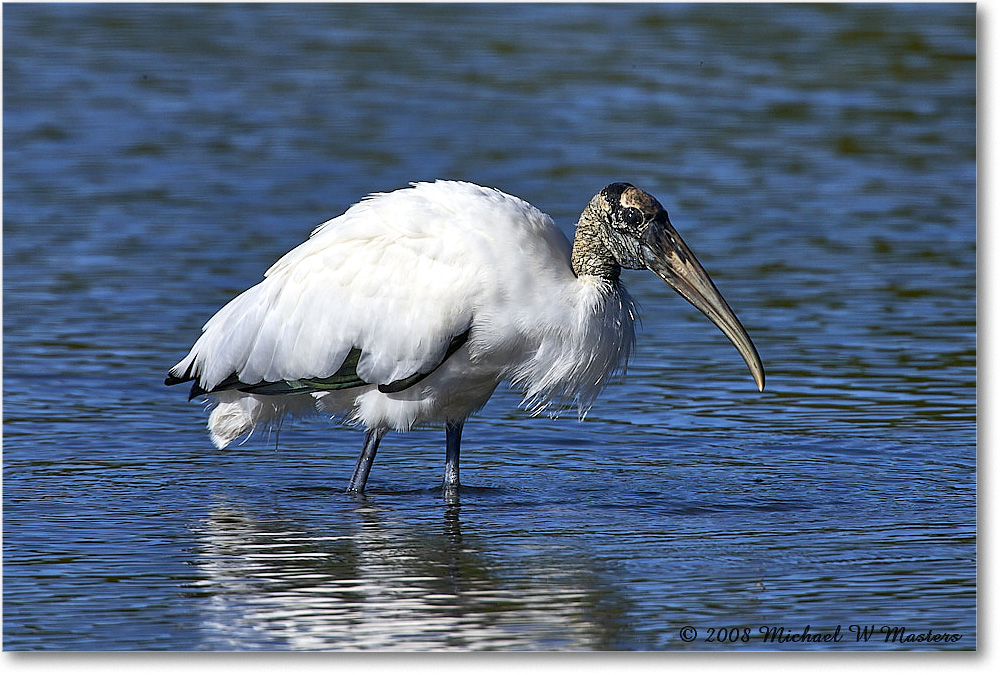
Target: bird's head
634 229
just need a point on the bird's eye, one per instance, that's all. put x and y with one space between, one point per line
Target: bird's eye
632 217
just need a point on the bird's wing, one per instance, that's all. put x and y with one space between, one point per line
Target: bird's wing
380 295
346 377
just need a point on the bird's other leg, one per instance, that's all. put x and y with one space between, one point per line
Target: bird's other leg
453 430
372 438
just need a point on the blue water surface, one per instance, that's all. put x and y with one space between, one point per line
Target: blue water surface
819 159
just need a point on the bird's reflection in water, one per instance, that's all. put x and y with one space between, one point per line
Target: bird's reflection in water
377 583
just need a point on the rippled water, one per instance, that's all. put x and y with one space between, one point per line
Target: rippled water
819 159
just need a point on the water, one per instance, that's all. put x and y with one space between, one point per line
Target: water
819 159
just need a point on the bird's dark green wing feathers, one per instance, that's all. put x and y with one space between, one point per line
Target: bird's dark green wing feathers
346 377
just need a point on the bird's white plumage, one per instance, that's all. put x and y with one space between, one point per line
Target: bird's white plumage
398 276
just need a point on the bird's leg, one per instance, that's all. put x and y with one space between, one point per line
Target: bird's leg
372 438
453 430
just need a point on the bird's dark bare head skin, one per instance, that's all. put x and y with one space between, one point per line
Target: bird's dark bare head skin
630 205
625 214
611 229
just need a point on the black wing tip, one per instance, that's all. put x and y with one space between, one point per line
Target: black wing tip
196 389
171 380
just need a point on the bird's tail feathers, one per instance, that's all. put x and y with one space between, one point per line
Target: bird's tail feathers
236 414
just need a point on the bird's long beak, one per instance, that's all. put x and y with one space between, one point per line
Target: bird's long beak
669 258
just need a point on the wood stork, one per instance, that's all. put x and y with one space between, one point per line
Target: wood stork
411 307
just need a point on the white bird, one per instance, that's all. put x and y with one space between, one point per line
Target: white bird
411 307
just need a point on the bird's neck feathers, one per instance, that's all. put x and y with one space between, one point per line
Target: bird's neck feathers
590 254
